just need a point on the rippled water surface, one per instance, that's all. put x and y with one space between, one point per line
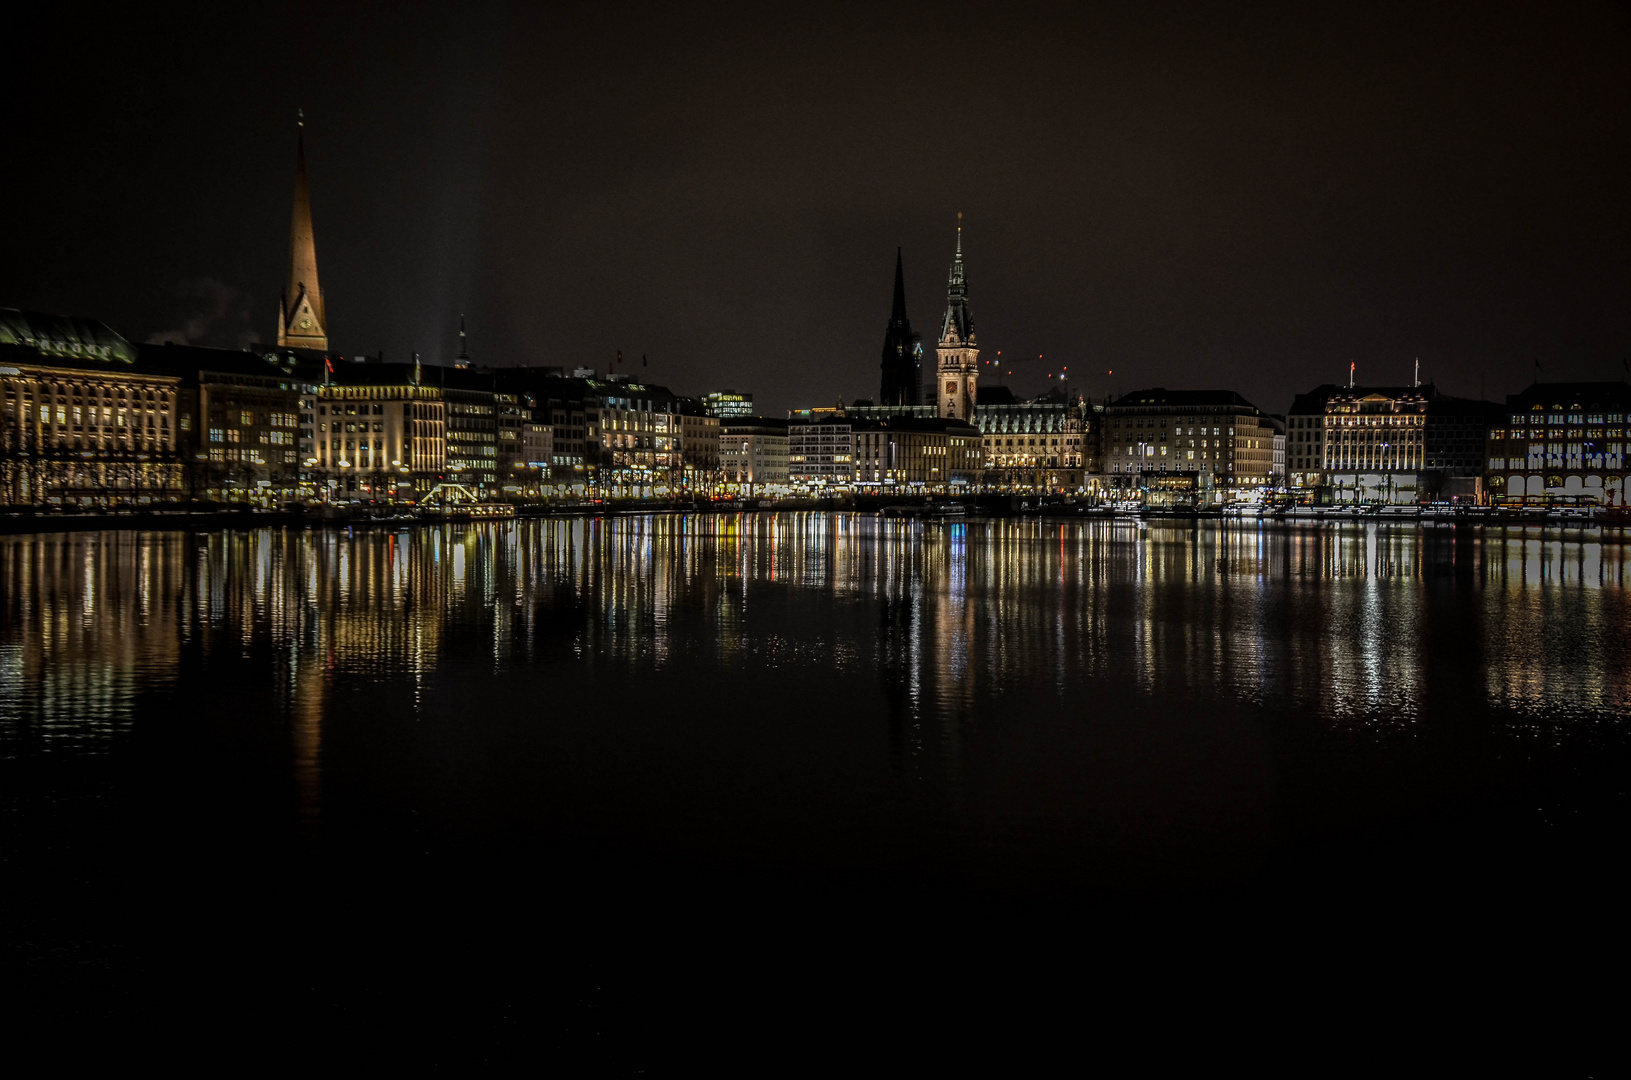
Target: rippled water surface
568 736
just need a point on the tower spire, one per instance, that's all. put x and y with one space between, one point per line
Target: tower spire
463 359
958 316
302 316
902 350
958 349
897 313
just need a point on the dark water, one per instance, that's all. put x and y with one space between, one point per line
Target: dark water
745 791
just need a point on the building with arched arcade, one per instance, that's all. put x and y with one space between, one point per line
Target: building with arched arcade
1562 444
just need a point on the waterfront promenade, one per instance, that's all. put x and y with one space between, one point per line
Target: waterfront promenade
932 507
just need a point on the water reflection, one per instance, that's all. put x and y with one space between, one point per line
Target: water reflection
1365 626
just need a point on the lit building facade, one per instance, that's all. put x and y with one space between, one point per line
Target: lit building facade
525 445
1386 444
925 454
381 435
471 433
1047 444
242 441
699 442
1376 445
1217 435
1305 439
821 452
638 432
727 404
80 423
1561 444
753 453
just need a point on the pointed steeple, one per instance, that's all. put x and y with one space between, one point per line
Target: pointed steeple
958 317
463 359
302 316
959 354
897 316
902 353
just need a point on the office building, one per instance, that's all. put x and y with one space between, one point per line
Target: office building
753 454
1216 435
1561 444
80 423
728 404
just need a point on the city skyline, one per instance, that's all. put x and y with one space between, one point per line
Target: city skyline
655 539
1199 203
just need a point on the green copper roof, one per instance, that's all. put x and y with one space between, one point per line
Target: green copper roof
63 336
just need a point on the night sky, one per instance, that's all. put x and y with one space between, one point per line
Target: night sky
1223 200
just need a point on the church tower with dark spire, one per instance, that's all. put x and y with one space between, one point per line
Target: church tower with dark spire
902 350
958 350
302 319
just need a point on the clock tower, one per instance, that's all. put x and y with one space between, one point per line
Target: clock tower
958 349
302 319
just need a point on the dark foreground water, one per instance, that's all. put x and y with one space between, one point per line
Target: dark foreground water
748 793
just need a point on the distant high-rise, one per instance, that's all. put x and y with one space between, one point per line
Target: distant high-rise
902 350
302 319
958 350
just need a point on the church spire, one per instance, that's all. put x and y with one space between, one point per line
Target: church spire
902 349
897 316
302 316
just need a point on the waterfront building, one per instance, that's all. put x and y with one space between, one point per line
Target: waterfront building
918 454
1375 445
821 450
699 442
302 321
1390 444
753 453
637 430
471 412
1225 440
564 404
538 449
958 350
1049 443
606 431
525 445
902 365
81 424
1457 435
241 427
727 404
1305 439
1561 444
381 433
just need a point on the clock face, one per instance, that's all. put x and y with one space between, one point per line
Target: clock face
305 324
951 388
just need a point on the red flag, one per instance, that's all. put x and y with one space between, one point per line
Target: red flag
330 362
